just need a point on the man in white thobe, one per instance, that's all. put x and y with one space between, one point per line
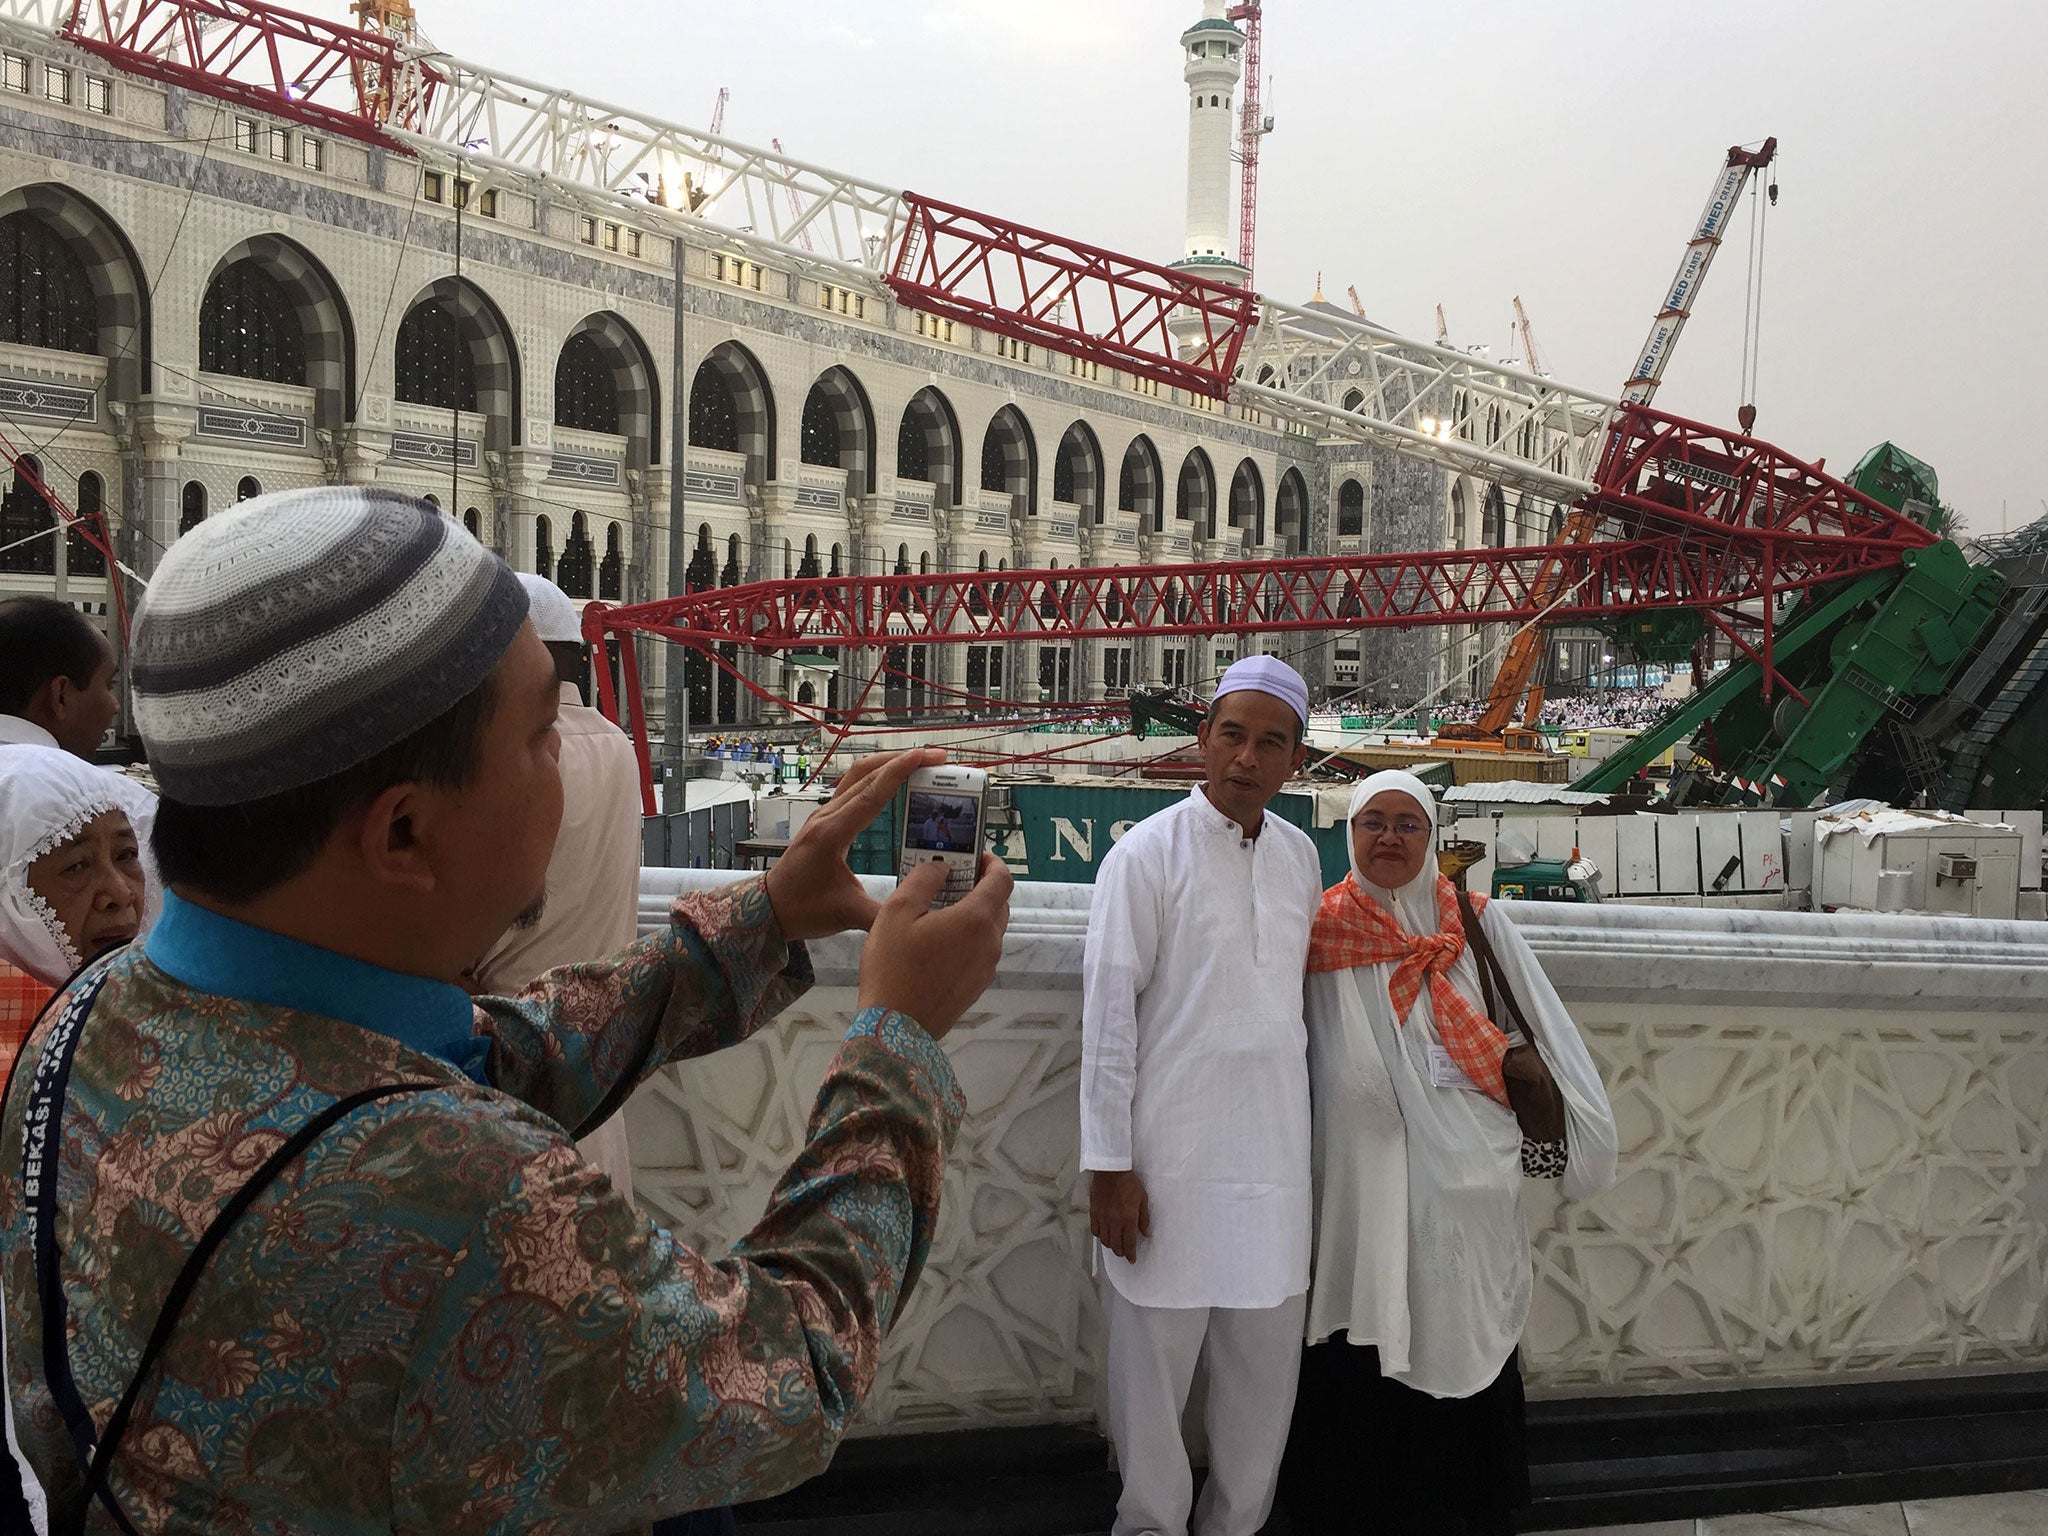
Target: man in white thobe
593 888
1195 1115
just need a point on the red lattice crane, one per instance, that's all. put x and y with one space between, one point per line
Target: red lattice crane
1252 126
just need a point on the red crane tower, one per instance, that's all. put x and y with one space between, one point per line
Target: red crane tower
1252 126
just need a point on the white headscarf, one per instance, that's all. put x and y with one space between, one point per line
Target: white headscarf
47 797
1413 904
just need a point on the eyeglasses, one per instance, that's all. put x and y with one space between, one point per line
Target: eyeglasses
1407 826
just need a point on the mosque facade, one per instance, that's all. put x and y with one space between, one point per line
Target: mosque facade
200 303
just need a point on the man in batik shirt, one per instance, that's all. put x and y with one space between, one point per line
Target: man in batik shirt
438 1318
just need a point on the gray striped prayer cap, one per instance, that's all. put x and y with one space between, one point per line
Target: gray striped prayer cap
304 632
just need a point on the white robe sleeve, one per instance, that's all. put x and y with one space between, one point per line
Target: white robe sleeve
1591 1141
1116 965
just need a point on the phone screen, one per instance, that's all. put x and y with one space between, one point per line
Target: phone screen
942 821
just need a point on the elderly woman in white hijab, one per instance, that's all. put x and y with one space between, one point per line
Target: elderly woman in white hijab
72 882
1409 1416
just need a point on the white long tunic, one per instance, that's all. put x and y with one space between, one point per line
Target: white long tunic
1194 1067
1420 1246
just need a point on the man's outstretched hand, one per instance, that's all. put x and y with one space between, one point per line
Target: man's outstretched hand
813 892
929 965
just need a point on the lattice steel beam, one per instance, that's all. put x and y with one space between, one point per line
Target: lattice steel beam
299 67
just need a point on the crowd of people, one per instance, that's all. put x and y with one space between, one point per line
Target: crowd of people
315 1214
1625 708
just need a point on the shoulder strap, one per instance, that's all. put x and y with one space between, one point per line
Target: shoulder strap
1493 980
188 1277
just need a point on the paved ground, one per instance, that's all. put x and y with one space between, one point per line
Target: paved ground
1992 1514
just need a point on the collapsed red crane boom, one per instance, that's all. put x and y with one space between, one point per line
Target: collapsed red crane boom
299 67
1693 517
1048 291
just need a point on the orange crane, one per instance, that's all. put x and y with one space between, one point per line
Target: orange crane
1530 359
1523 659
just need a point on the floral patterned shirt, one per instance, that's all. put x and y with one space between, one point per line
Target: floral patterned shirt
442 1320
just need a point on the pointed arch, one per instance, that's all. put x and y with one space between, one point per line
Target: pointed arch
928 445
455 345
839 427
272 311
1194 494
1009 460
732 408
1290 513
610 377
118 325
1350 510
1140 483
1077 471
1248 501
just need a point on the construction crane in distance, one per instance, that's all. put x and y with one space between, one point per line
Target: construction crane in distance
1531 359
1443 331
796 205
1253 125
1524 656
1357 308
1684 292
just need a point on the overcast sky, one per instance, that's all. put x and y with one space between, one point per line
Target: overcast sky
1461 154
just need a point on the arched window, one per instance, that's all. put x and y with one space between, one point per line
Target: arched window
82 557
433 501
1077 472
249 328
432 359
586 391
702 570
1353 400
902 559
810 566
1350 510
611 574
995 464
543 547
913 453
924 562
714 414
834 571
247 488
578 558
473 521
1194 494
820 430
191 506
730 576
46 298
24 515
1457 515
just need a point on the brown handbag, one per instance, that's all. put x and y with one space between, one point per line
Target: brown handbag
1533 1093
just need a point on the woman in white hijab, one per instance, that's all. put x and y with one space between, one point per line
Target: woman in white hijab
1409 1414
72 885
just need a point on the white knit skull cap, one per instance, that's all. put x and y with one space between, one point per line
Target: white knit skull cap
301 633
1267 674
552 610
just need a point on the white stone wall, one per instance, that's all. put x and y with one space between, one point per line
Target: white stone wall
1832 1133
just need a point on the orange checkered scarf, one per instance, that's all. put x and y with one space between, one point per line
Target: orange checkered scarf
21 999
1353 930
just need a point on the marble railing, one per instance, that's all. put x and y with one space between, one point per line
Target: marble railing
1831 1127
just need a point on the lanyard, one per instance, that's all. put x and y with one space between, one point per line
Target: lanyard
41 1142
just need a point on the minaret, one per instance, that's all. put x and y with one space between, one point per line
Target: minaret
1214 52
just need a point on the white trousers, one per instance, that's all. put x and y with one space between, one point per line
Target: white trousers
1254 1358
